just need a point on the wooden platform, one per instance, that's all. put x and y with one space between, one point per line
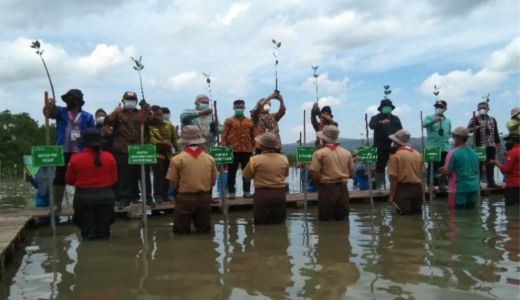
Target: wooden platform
12 233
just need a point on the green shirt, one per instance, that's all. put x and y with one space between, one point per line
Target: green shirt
463 164
434 139
512 123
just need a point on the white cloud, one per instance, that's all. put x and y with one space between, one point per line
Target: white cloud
103 58
183 79
461 85
324 101
325 85
235 11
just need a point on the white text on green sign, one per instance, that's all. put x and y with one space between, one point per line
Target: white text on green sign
367 155
222 155
304 154
141 154
47 156
432 154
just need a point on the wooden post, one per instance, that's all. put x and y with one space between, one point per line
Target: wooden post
475 128
143 177
423 181
223 194
49 170
305 172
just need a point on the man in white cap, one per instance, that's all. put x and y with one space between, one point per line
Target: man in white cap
192 173
202 117
269 170
405 169
462 168
330 168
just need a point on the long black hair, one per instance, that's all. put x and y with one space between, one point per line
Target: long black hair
97 159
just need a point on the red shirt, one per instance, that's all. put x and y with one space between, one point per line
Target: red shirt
83 173
511 167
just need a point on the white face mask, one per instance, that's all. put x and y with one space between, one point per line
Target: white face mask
100 120
451 141
439 111
482 112
267 107
130 104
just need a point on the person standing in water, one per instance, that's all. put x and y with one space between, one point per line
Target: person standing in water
461 167
405 169
268 171
331 167
511 169
192 173
93 172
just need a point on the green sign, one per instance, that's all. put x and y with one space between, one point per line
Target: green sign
432 154
141 155
367 155
222 155
481 153
304 154
27 161
47 156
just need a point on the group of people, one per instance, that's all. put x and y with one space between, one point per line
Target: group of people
96 159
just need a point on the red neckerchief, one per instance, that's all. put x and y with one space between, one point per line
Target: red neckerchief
195 153
332 147
407 148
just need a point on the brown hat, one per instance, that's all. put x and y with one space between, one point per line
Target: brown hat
268 140
129 95
460 132
191 135
515 111
401 137
330 134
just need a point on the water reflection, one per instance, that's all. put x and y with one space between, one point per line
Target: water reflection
467 254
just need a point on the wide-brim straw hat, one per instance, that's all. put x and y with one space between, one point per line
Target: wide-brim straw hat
329 134
191 135
401 137
515 111
268 140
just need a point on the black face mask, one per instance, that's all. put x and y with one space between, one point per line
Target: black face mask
72 104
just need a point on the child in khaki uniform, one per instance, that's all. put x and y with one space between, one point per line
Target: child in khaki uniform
269 171
192 173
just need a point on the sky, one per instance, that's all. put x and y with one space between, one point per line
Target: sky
470 48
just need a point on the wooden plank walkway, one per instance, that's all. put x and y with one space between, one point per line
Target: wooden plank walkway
12 233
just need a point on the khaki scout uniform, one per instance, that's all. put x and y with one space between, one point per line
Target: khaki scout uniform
407 165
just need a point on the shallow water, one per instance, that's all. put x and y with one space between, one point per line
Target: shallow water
472 254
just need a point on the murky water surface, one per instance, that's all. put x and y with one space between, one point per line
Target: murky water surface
439 255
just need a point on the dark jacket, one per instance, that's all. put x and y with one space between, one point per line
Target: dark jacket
381 132
127 128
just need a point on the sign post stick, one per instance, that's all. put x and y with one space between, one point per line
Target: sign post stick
223 194
143 177
369 167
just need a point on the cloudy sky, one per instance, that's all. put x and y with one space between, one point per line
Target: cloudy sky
468 47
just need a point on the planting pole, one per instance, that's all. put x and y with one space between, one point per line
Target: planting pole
306 176
143 177
475 127
49 169
423 181
223 194
369 168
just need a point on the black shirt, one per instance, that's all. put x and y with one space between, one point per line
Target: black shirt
381 132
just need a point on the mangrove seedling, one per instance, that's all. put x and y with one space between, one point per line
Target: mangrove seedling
37 46
276 54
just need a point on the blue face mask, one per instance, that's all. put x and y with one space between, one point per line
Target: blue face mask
386 109
202 106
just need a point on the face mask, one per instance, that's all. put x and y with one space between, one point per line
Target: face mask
100 120
439 111
72 104
267 107
451 141
166 117
202 106
482 112
239 112
386 109
130 104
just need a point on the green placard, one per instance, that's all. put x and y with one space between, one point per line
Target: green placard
141 155
367 155
222 155
27 161
432 154
481 153
47 156
304 154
